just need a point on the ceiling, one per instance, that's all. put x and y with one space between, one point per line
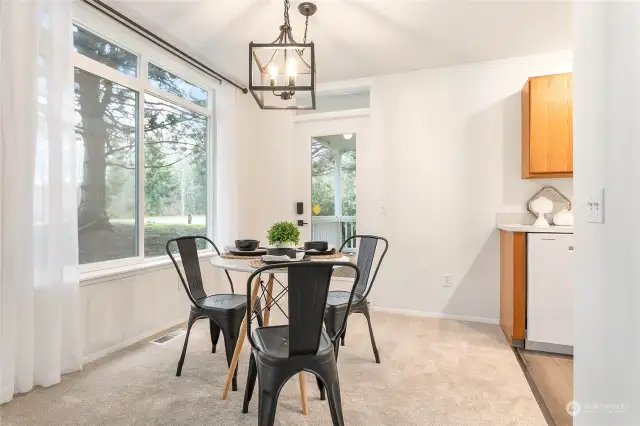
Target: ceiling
361 38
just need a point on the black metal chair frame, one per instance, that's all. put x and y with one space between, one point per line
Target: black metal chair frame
360 304
303 338
220 319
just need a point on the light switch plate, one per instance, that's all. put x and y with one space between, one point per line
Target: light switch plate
595 207
447 280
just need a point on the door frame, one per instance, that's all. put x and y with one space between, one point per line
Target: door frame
307 126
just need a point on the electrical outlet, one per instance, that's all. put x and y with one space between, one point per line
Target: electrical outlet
447 280
595 207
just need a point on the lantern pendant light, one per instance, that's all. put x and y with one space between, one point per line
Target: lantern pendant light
282 70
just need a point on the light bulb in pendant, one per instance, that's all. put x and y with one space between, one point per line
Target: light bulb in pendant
292 72
273 74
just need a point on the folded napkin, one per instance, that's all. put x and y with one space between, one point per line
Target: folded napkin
329 251
234 248
272 258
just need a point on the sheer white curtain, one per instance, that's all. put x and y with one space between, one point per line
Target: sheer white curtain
228 159
39 329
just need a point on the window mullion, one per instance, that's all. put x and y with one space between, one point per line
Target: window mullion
104 71
140 205
177 100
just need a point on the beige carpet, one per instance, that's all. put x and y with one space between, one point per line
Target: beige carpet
433 372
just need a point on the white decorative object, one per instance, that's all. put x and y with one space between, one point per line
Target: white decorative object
559 201
284 245
541 206
563 218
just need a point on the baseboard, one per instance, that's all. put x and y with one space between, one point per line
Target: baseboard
436 315
111 349
132 341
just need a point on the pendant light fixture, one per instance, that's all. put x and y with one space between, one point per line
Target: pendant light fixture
282 69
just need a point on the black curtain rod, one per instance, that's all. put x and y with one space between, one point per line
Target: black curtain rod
158 41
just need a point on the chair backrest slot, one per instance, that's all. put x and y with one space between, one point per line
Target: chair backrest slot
188 249
308 290
191 265
366 254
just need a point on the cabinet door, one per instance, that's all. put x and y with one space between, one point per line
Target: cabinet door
551 124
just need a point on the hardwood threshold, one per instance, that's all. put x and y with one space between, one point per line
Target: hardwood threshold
534 389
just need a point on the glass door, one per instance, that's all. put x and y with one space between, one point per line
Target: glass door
333 188
325 178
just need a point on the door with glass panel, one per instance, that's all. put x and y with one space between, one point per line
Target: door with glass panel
333 188
326 181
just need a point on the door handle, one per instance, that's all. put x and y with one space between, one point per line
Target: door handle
302 222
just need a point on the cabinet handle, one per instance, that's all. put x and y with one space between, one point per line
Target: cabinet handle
548 238
570 248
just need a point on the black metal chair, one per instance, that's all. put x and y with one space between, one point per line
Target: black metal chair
337 305
224 311
279 352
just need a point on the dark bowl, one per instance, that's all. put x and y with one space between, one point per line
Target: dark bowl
247 244
292 253
316 245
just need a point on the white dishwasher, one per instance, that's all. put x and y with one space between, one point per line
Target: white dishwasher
550 292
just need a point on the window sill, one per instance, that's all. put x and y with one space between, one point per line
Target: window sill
110 274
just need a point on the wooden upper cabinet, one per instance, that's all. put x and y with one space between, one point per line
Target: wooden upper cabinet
547 127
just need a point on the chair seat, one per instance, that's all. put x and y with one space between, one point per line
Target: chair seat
339 298
274 341
224 301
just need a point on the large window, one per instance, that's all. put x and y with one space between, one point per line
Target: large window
175 173
106 130
143 137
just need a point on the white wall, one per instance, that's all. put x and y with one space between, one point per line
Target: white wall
267 173
606 155
448 141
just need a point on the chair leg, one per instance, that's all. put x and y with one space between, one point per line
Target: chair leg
328 373
335 403
259 317
251 383
321 388
230 340
343 336
331 321
215 335
269 386
192 319
373 339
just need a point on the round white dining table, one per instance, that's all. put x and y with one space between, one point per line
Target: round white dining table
241 265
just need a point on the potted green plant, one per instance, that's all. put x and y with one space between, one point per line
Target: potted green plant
283 235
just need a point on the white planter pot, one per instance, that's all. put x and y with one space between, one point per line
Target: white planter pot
285 245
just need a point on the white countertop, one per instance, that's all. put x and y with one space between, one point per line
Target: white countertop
553 229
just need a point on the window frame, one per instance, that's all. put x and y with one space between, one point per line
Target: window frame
109 30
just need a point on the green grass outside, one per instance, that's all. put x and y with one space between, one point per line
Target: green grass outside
98 245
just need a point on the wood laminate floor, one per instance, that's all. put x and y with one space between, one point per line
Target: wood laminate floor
551 380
